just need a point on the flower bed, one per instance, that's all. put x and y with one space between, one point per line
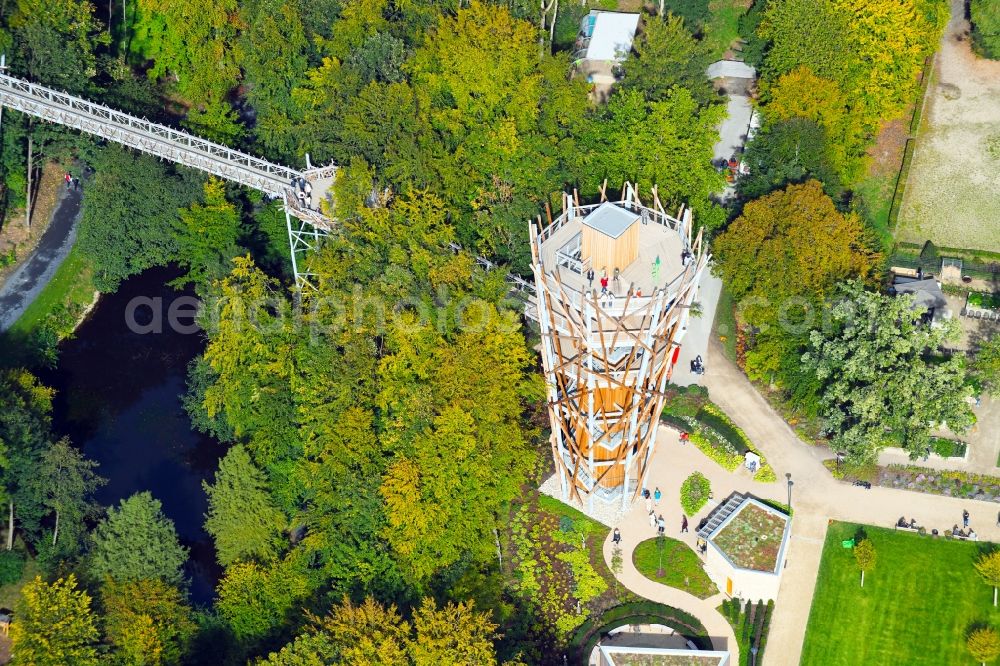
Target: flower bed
711 430
940 482
923 480
752 538
695 492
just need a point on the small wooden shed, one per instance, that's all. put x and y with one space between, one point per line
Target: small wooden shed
610 238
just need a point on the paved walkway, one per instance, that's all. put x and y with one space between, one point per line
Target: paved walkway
699 331
24 284
817 498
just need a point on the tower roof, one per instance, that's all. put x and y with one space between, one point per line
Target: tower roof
610 220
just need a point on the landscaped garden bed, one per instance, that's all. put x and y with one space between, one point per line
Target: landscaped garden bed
917 604
949 483
983 301
752 538
751 623
681 566
555 567
948 448
688 409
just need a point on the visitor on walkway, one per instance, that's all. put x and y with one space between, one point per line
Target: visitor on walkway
76 183
656 496
69 180
649 504
652 519
965 518
661 525
604 285
590 278
617 538
684 524
685 437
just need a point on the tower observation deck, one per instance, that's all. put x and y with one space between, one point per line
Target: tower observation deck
608 351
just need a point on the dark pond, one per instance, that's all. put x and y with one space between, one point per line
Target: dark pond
119 398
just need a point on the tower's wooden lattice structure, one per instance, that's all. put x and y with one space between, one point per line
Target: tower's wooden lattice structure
608 351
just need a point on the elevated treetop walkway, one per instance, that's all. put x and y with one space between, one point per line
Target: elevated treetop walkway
177 146
274 180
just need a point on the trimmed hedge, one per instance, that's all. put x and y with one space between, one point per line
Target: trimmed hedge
904 173
640 612
712 416
713 432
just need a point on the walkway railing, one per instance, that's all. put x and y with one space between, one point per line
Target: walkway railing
147 136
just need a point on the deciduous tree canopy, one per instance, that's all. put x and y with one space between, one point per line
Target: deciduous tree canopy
884 380
55 625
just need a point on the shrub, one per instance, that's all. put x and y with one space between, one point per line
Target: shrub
694 493
765 474
11 566
948 448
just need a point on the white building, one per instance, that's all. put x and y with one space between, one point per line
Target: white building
605 40
746 546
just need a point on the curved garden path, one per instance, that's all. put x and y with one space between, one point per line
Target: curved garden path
817 499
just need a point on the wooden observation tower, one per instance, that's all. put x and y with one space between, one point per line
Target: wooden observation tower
608 353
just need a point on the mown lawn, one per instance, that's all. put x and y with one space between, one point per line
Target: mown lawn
682 567
915 608
875 194
722 28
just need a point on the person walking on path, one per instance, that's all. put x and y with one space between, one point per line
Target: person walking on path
604 285
684 524
661 525
69 180
656 496
590 277
652 519
649 505
965 518
617 538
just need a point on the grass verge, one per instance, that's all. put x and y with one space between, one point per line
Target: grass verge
915 608
681 566
71 288
724 326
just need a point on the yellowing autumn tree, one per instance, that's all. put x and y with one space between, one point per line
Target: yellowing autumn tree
802 94
793 242
54 625
872 49
369 633
779 259
147 622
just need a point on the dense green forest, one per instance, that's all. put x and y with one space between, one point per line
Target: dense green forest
383 433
